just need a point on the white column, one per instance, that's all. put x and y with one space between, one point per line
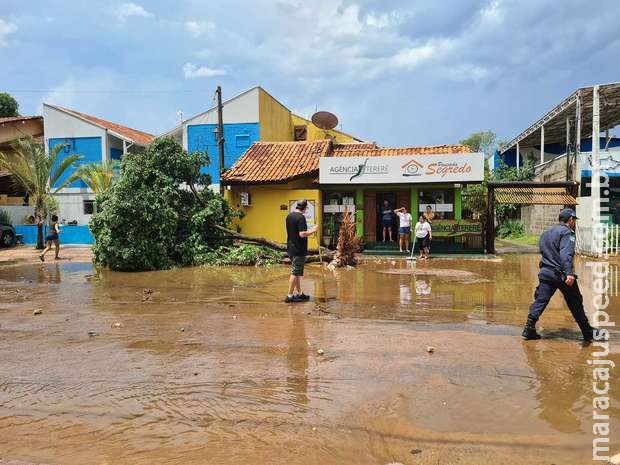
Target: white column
596 171
542 144
518 157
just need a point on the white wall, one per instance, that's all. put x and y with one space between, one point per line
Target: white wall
17 212
71 206
240 109
57 123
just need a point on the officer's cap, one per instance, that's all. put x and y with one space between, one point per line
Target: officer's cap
567 214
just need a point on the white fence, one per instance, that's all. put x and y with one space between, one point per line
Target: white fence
587 245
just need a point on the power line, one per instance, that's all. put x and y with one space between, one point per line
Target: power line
116 91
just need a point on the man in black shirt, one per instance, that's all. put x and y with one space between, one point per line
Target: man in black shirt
297 247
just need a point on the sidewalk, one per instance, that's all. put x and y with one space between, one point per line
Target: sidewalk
28 254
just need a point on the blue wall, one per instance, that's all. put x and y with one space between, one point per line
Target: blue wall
68 234
89 148
237 139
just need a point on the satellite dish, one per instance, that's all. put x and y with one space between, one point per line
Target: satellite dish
325 120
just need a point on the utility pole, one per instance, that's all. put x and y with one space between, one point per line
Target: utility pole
220 135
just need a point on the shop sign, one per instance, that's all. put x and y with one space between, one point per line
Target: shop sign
464 167
456 227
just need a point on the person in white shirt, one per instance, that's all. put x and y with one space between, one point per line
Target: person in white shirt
405 228
423 236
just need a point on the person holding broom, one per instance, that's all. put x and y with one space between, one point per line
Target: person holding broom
297 248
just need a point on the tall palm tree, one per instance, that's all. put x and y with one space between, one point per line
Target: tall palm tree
98 177
36 172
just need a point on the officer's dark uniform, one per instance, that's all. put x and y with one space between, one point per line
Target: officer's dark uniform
557 246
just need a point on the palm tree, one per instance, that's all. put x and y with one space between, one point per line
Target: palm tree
36 172
98 177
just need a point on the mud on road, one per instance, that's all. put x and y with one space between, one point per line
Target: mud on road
195 366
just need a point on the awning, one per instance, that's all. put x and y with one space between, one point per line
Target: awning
534 196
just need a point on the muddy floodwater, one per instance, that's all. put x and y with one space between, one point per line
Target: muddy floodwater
208 366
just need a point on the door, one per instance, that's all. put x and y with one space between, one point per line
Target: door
386 201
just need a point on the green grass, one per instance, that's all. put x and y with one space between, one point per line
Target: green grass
527 239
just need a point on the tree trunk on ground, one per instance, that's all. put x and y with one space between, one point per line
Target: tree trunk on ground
268 243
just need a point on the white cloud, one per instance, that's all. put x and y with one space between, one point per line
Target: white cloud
6 28
191 71
127 10
199 29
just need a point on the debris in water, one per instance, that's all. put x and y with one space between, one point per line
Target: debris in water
116 325
395 463
415 451
182 330
147 293
314 428
93 333
430 349
37 311
320 351
195 373
234 317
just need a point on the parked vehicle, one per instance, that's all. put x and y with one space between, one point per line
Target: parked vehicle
8 235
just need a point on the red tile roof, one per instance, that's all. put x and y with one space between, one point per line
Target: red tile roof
353 146
12 119
281 162
139 137
386 152
277 162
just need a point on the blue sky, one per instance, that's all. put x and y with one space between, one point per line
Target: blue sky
395 72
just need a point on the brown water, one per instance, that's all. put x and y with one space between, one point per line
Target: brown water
208 366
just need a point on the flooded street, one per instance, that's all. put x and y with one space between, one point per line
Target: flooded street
195 366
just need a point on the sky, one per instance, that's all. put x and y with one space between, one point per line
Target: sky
401 73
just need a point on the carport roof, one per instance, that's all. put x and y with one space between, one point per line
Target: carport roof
554 120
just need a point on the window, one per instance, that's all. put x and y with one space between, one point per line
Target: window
242 140
300 133
440 200
89 207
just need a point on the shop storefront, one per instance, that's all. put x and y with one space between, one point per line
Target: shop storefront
359 178
371 187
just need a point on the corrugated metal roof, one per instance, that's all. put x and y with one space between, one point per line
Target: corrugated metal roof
534 196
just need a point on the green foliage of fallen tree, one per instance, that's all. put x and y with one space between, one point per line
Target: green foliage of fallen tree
242 255
155 217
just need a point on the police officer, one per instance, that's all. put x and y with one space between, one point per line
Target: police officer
557 246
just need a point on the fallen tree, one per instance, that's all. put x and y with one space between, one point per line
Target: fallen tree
327 254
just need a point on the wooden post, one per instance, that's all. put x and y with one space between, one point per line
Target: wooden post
490 232
518 157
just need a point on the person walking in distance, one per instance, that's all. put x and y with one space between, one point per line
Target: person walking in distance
405 228
557 246
297 248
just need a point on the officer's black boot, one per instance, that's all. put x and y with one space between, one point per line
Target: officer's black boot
529 331
587 331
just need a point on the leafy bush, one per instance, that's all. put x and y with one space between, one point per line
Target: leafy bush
510 228
5 217
241 254
154 217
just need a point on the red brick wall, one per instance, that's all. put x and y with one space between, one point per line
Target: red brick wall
403 199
